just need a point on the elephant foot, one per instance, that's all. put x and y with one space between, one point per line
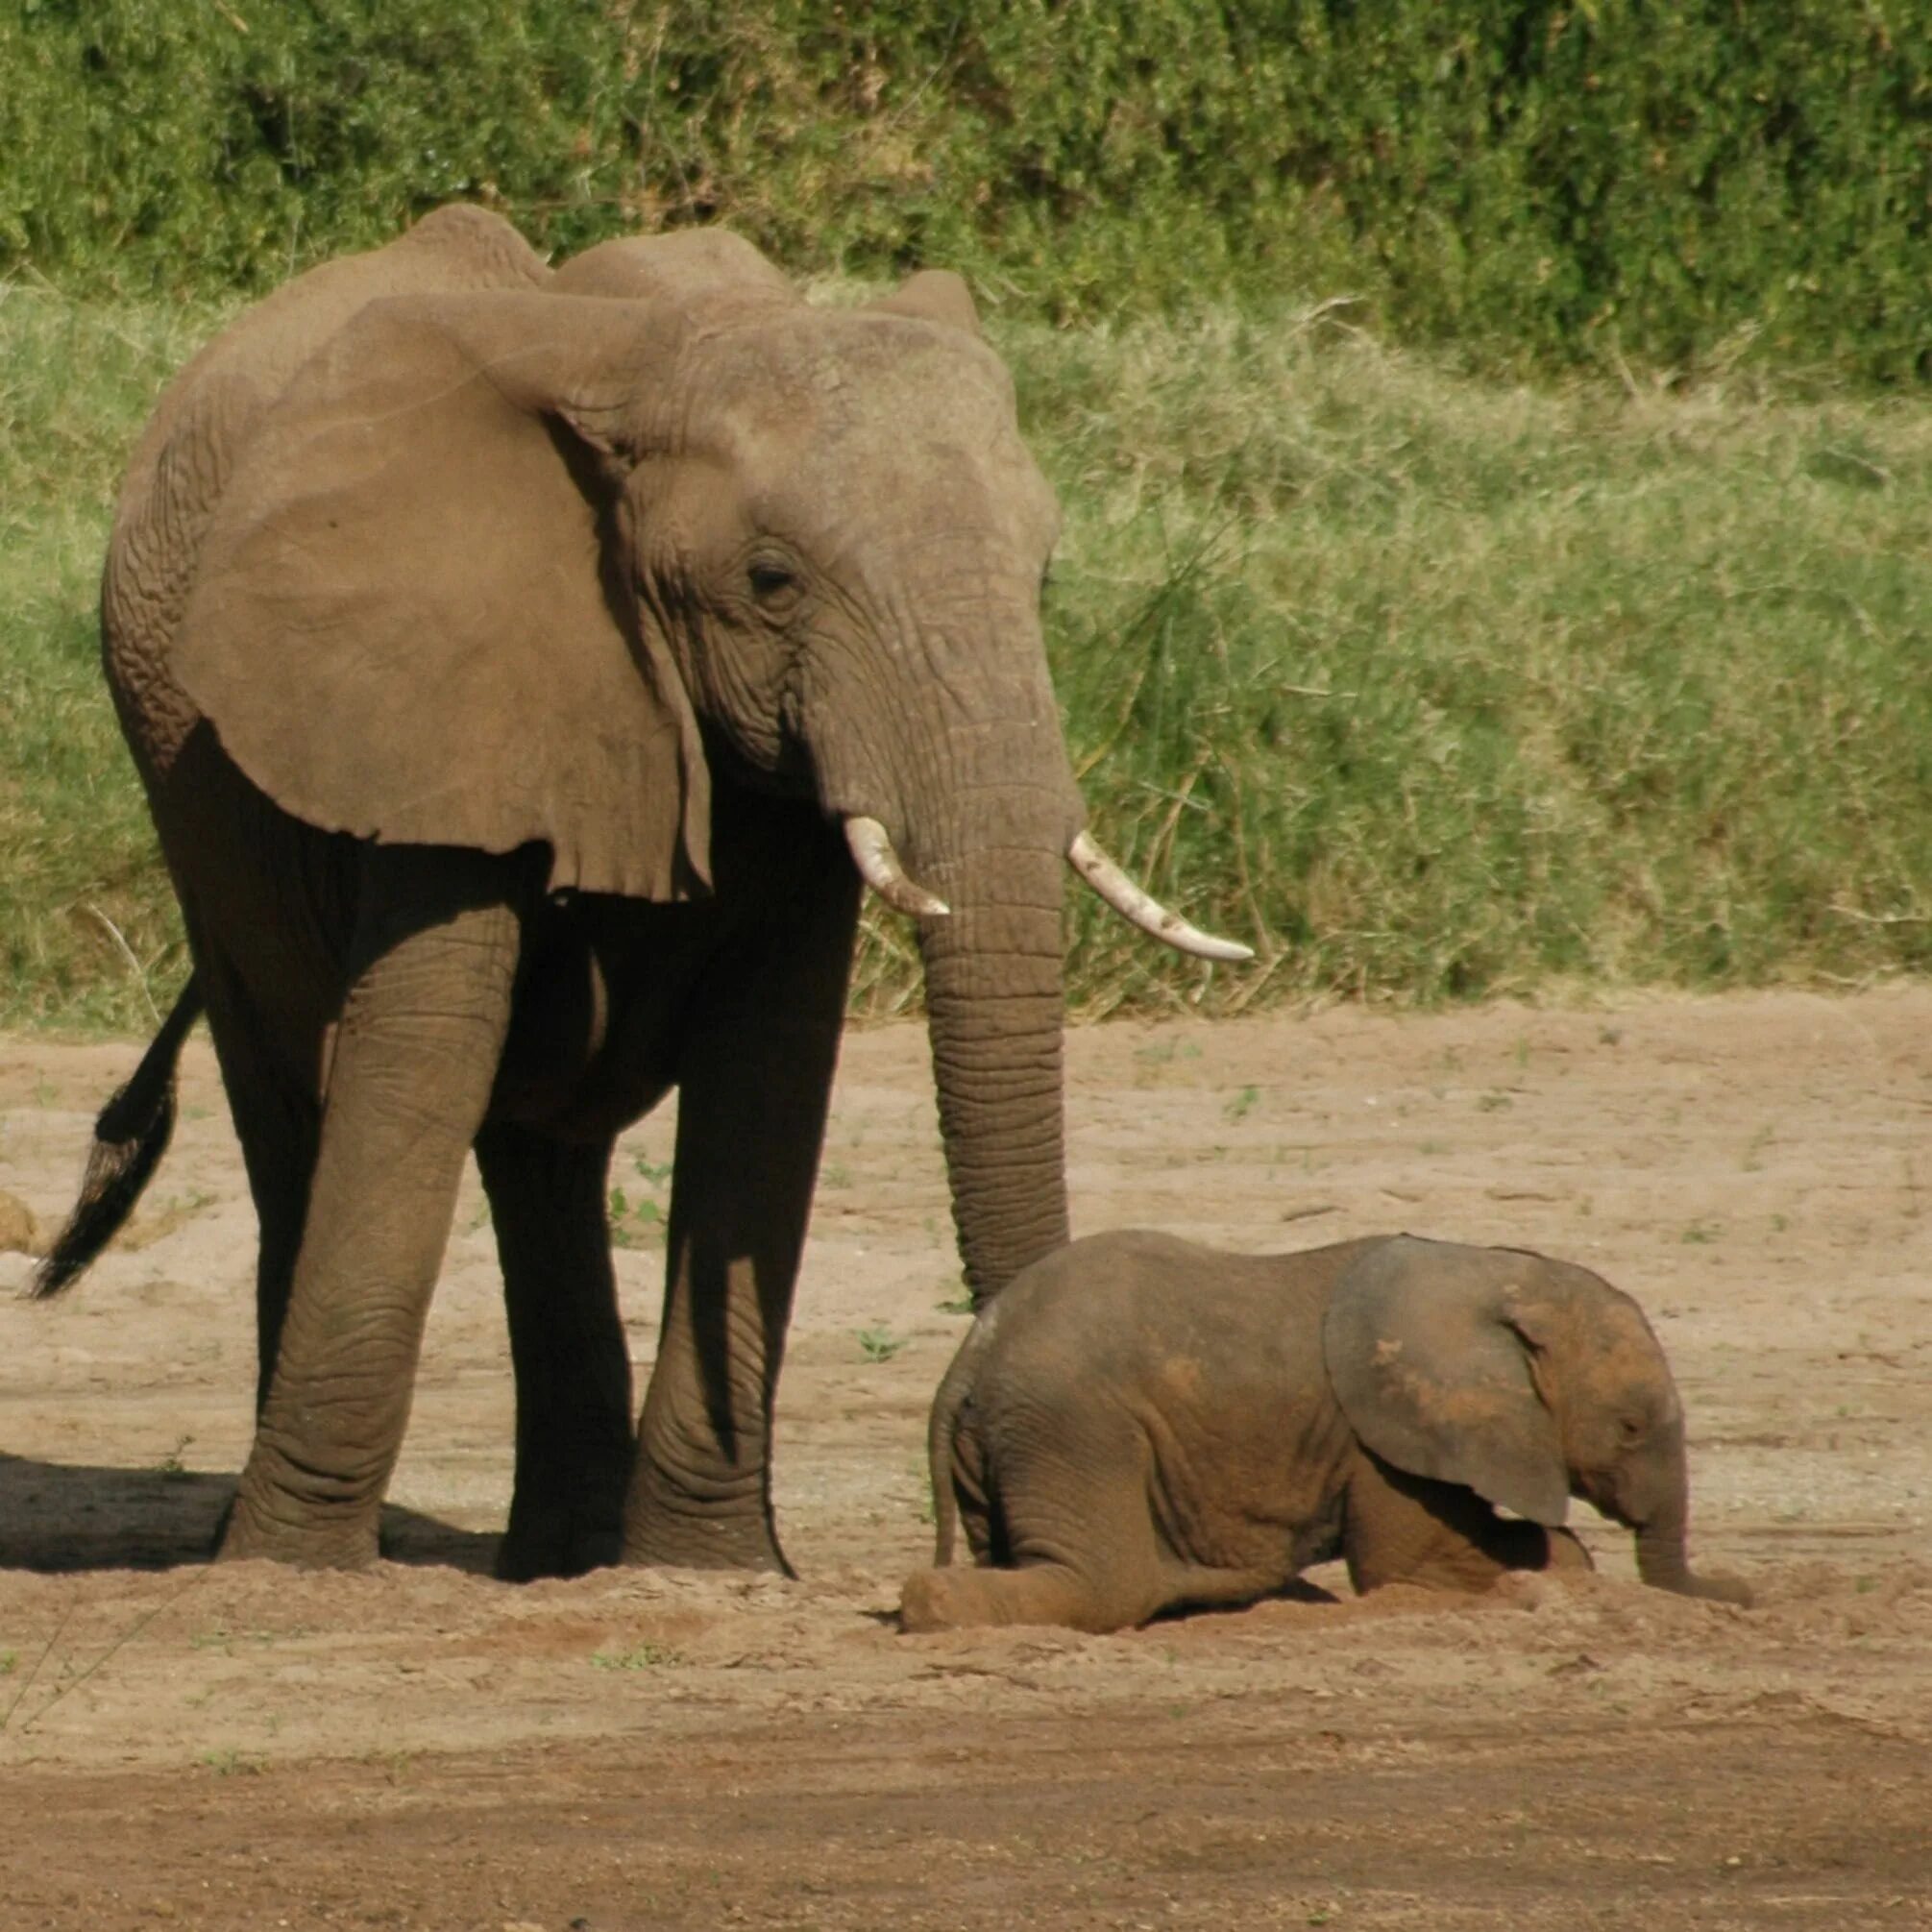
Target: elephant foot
929 1600
965 1598
721 1524
248 1531
1563 1552
688 1543
555 1549
565 1518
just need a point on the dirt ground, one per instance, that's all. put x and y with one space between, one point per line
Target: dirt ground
421 1747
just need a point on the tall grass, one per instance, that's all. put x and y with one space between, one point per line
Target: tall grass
1429 688
1436 689
80 875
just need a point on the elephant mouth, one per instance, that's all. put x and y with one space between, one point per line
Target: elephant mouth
881 867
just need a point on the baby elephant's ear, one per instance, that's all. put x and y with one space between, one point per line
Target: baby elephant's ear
1433 1377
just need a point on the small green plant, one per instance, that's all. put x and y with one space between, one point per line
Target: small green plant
395 1765
9 1662
1165 1052
641 1656
1700 1233
634 1224
878 1343
1242 1104
171 1468
230 1764
955 1305
639 1223
1493 1103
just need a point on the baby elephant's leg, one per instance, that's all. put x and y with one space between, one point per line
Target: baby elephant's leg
1402 1529
1563 1552
1069 1540
1039 1593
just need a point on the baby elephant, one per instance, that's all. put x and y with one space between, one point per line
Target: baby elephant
1138 1424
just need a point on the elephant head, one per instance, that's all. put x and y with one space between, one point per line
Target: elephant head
521 566
1525 1379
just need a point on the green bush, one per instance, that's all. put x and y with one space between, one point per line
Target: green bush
1676 185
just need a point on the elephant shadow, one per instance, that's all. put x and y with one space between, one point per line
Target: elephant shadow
58 1517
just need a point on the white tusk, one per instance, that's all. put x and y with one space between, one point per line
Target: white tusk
879 867
1144 910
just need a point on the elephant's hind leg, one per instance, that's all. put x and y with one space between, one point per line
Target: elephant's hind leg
574 1431
1086 1562
963 1598
278 1127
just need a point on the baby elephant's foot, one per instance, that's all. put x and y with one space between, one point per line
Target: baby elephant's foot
1566 1553
931 1600
1037 1593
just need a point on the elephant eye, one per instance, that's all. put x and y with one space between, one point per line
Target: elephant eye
1630 1430
772 583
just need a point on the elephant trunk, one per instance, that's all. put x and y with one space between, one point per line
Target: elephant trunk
995 1003
1661 1559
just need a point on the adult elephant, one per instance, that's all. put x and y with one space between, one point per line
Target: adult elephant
525 667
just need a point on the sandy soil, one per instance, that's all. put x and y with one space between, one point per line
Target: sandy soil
421 1747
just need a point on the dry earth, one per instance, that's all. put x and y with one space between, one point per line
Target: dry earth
420 1747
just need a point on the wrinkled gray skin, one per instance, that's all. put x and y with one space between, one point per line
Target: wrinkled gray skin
501 649
1142 1425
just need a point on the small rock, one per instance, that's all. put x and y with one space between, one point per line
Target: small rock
19 1230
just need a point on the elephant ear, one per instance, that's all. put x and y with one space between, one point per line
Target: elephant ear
412 619
1434 1375
933 295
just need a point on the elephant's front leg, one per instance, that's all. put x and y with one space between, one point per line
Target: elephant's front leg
574 1432
416 1050
754 1077
1402 1529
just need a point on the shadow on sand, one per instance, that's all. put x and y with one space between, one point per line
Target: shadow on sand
59 1517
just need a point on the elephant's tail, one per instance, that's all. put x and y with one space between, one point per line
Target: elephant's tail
129 1137
945 1448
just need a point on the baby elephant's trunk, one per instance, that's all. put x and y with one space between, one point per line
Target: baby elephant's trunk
1662 1563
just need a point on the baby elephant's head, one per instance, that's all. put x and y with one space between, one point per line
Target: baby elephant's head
1525 1379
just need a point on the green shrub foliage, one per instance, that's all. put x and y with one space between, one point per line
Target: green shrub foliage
1674 184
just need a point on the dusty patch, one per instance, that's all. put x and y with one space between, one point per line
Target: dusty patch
420 1747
